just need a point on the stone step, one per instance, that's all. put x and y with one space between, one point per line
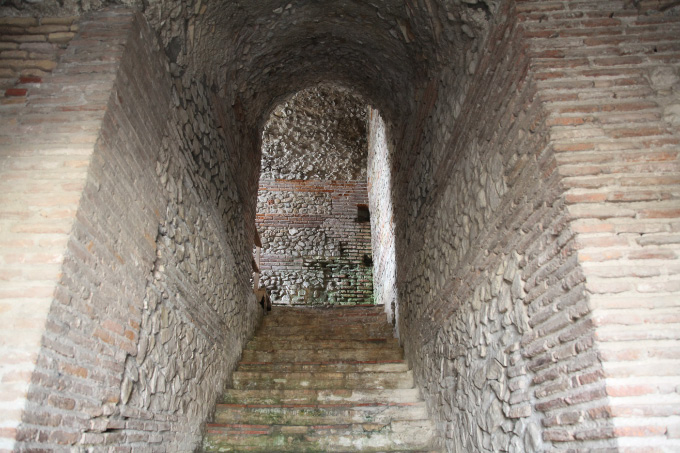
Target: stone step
282 320
329 310
336 312
322 355
319 367
304 380
316 414
321 380
407 435
323 336
316 396
267 344
328 332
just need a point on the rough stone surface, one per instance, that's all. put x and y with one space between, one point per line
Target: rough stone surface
314 152
382 217
314 250
320 133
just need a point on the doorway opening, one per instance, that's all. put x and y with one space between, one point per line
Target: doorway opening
312 206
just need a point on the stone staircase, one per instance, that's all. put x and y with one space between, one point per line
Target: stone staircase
321 380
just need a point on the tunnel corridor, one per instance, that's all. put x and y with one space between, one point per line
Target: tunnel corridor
523 179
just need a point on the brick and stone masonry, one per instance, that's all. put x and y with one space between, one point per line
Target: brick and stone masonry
527 186
545 225
313 200
119 277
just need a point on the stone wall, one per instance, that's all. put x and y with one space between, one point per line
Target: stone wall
481 209
315 250
319 254
319 133
536 234
47 136
152 304
29 50
382 220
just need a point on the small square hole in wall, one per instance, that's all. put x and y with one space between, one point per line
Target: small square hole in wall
363 215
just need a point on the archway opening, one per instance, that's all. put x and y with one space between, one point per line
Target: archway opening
313 216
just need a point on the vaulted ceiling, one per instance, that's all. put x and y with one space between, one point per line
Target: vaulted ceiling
255 53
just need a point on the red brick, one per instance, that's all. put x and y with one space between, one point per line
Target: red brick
651 254
660 213
639 431
16 92
595 434
30 79
61 402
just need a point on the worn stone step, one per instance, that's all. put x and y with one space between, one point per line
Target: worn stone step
306 337
333 331
319 367
315 414
363 319
407 435
310 312
317 396
321 380
321 355
327 380
265 343
334 310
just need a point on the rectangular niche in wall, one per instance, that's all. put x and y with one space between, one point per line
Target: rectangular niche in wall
363 214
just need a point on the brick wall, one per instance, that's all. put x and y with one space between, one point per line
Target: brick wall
29 50
608 74
47 136
148 310
491 299
314 251
536 233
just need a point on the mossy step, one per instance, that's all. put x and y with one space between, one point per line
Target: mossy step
315 414
305 323
320 380
351 332
374 319
257 449
322 355
304 337
325 334
336 310
366 437
262 343
296 313
327 380
327 366
316 396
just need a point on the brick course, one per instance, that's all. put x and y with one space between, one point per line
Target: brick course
315 258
